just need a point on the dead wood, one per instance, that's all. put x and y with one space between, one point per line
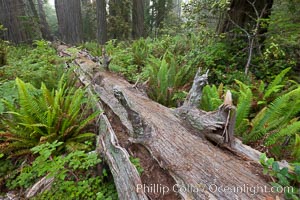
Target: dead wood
198 168
42 185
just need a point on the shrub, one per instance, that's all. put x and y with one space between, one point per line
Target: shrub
45 116
283 177
73 175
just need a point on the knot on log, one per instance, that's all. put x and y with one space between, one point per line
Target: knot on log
222 119
194 97
141 130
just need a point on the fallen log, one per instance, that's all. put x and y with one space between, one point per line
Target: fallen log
178 162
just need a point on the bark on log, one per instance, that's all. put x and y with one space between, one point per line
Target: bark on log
125 174
42 185
198 168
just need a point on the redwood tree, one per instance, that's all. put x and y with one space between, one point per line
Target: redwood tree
69 20
44 26
10 16
243 14
101 21
138 19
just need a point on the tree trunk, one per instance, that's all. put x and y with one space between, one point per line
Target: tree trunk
243 14
69 20
161 13
177 7
33 9
44 26
138 19
119 19
178 162
10 17
101 21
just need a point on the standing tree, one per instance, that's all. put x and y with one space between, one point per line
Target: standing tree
44 26
177 7
159 11
119 19
89 19
244 14
10 17
69 20
138 26
249 17
101 21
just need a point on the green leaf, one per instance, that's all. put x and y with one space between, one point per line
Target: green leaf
282 180
275 84
275 167
276 186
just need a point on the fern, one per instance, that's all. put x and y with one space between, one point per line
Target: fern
289 130
296 148
210 98
276 84
243 108
277 114
45 116
166 78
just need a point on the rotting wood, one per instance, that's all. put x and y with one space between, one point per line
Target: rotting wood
42 185
125 175
197 166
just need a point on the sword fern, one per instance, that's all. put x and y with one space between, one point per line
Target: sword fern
45 116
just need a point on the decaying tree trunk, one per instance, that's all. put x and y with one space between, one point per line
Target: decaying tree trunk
178 162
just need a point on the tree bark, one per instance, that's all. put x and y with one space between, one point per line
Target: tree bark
119 19
10 17
161 13
242 14
44 26
138 23
174 154
101 21
69 20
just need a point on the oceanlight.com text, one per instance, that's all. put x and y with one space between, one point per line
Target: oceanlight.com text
212 188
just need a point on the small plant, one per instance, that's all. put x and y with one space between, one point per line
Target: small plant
283 178
73 175
211 97
34 65
166 78
45 116
136 163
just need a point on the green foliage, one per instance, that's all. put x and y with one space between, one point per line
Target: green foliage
93 47
136 163
276 85
287 179
73 176
243 108
282 43
89 20
119 26
33 65
296 151
3 49
8 92
166 78
44 116
266 114
211 98
269 114
279 114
